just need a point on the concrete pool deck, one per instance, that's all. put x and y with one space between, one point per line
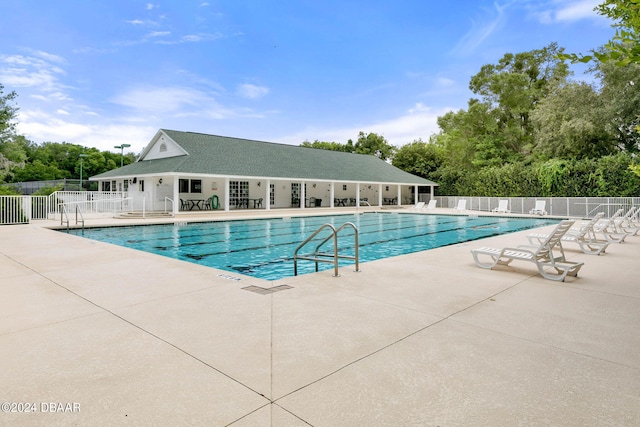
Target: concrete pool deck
97 334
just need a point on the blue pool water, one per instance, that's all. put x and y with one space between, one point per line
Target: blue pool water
264 248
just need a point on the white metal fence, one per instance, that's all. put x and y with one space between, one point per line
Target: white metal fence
24 209
578 207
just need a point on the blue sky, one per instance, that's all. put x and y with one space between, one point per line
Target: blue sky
102 73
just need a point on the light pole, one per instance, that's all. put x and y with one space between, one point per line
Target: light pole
122 147
82 156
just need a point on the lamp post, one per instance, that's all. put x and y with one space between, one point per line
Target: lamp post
82 156
122 147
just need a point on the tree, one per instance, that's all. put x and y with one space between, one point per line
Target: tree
620 102
570 123
11 145
374 144
419 158
624 47
7 114
512 88
333 146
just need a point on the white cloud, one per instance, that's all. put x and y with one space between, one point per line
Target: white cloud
445 82
134 22
250 91
564 10
34 71
167 103
40 127
577 10
420 122
161 99
159 34
481 29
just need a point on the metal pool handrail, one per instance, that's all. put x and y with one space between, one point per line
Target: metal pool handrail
65 213
316 257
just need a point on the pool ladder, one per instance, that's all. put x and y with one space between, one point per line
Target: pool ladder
318 256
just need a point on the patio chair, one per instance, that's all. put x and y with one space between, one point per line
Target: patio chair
184 205
541 255
207 204
607 227
432 204
462 205
540 207
584 236
418 205
503 207
625 223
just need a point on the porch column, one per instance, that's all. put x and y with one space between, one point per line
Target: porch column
267 195
332 193
358 195
399 202
226 194
303 194
176 195
415 195
380 195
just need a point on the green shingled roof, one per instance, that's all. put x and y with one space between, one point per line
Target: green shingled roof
220 155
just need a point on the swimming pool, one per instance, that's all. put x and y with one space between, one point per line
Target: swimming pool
264 248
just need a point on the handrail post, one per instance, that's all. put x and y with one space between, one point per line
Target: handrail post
335 255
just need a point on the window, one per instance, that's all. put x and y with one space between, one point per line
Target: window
126 185
184 186
141 185
344 187
296 189
386 188
238 193
272 194
106 186
196 186
163 147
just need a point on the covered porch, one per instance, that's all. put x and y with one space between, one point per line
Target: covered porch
194 192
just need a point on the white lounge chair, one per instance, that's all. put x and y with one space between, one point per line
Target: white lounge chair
542 255
462 205
432 204
540 207
418 205
608 228
503 207
584 236
625 223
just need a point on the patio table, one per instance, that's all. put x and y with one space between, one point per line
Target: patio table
195 203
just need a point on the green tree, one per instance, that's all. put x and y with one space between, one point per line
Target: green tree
624 48
419 158
38 171
333 146
569 123
614 175
512 88
620 102
374 144
464 134
12 150
7 114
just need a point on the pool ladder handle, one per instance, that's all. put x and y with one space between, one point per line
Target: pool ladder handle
334 255
64 213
